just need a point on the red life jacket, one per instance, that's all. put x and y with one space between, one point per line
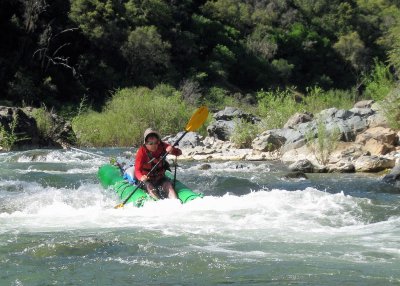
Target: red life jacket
150 162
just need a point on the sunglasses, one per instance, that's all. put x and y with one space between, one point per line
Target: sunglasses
152 143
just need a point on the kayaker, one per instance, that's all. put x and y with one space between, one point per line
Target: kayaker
147 156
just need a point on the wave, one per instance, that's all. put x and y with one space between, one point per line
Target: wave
51 156
310 212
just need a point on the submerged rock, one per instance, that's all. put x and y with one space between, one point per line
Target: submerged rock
205 167
295 175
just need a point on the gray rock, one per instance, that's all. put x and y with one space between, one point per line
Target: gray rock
230 113
373 163
293 138
327 113
341 167
295 175
362 112
190 140
298 118
394 177
307 128
357 123
304 166
221 129
364 104
343 114
205 167
268 141
377 120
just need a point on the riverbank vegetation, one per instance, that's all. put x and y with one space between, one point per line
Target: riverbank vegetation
114 67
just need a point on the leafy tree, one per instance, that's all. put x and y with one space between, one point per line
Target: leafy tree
146 53
353 50
232 12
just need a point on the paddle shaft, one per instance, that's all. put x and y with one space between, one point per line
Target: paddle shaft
151 171
176 165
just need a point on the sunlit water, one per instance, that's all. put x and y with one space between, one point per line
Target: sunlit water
58 226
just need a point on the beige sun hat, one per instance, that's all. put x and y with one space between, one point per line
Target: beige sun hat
150 131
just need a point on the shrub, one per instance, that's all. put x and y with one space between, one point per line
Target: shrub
391 107
44 121
317 99
128 114
218 98
379 83
9 138
325 143
243 133
275 107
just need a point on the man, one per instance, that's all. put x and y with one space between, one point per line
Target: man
147 156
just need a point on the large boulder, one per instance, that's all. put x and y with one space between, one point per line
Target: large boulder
378 140
381 134
268 141
394 177
304 166
298 118
190 140
373 164
230 113
221 129
14 120
364 104
224 124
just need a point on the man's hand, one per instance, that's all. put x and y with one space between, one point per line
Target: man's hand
144 178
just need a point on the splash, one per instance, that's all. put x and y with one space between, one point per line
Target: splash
39 208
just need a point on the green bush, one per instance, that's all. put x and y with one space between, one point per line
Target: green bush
8 138
325 143
275 107
44 121
243 133
391 107
218 98
379 83
128 114
317 99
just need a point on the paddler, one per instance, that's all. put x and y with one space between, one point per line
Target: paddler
147 156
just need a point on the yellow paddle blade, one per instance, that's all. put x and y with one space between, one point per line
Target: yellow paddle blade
121 205
197 119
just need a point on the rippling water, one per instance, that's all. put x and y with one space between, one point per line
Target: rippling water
59 227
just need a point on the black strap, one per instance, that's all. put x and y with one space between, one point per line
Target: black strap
164 164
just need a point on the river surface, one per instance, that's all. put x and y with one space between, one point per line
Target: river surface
58 226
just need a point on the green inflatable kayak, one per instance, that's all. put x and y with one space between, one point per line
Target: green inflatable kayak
110 177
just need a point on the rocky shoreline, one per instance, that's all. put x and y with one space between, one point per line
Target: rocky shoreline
366 143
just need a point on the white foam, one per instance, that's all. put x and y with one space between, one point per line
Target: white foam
56 156
83 170
309 210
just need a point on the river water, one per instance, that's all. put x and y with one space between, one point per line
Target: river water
58 226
